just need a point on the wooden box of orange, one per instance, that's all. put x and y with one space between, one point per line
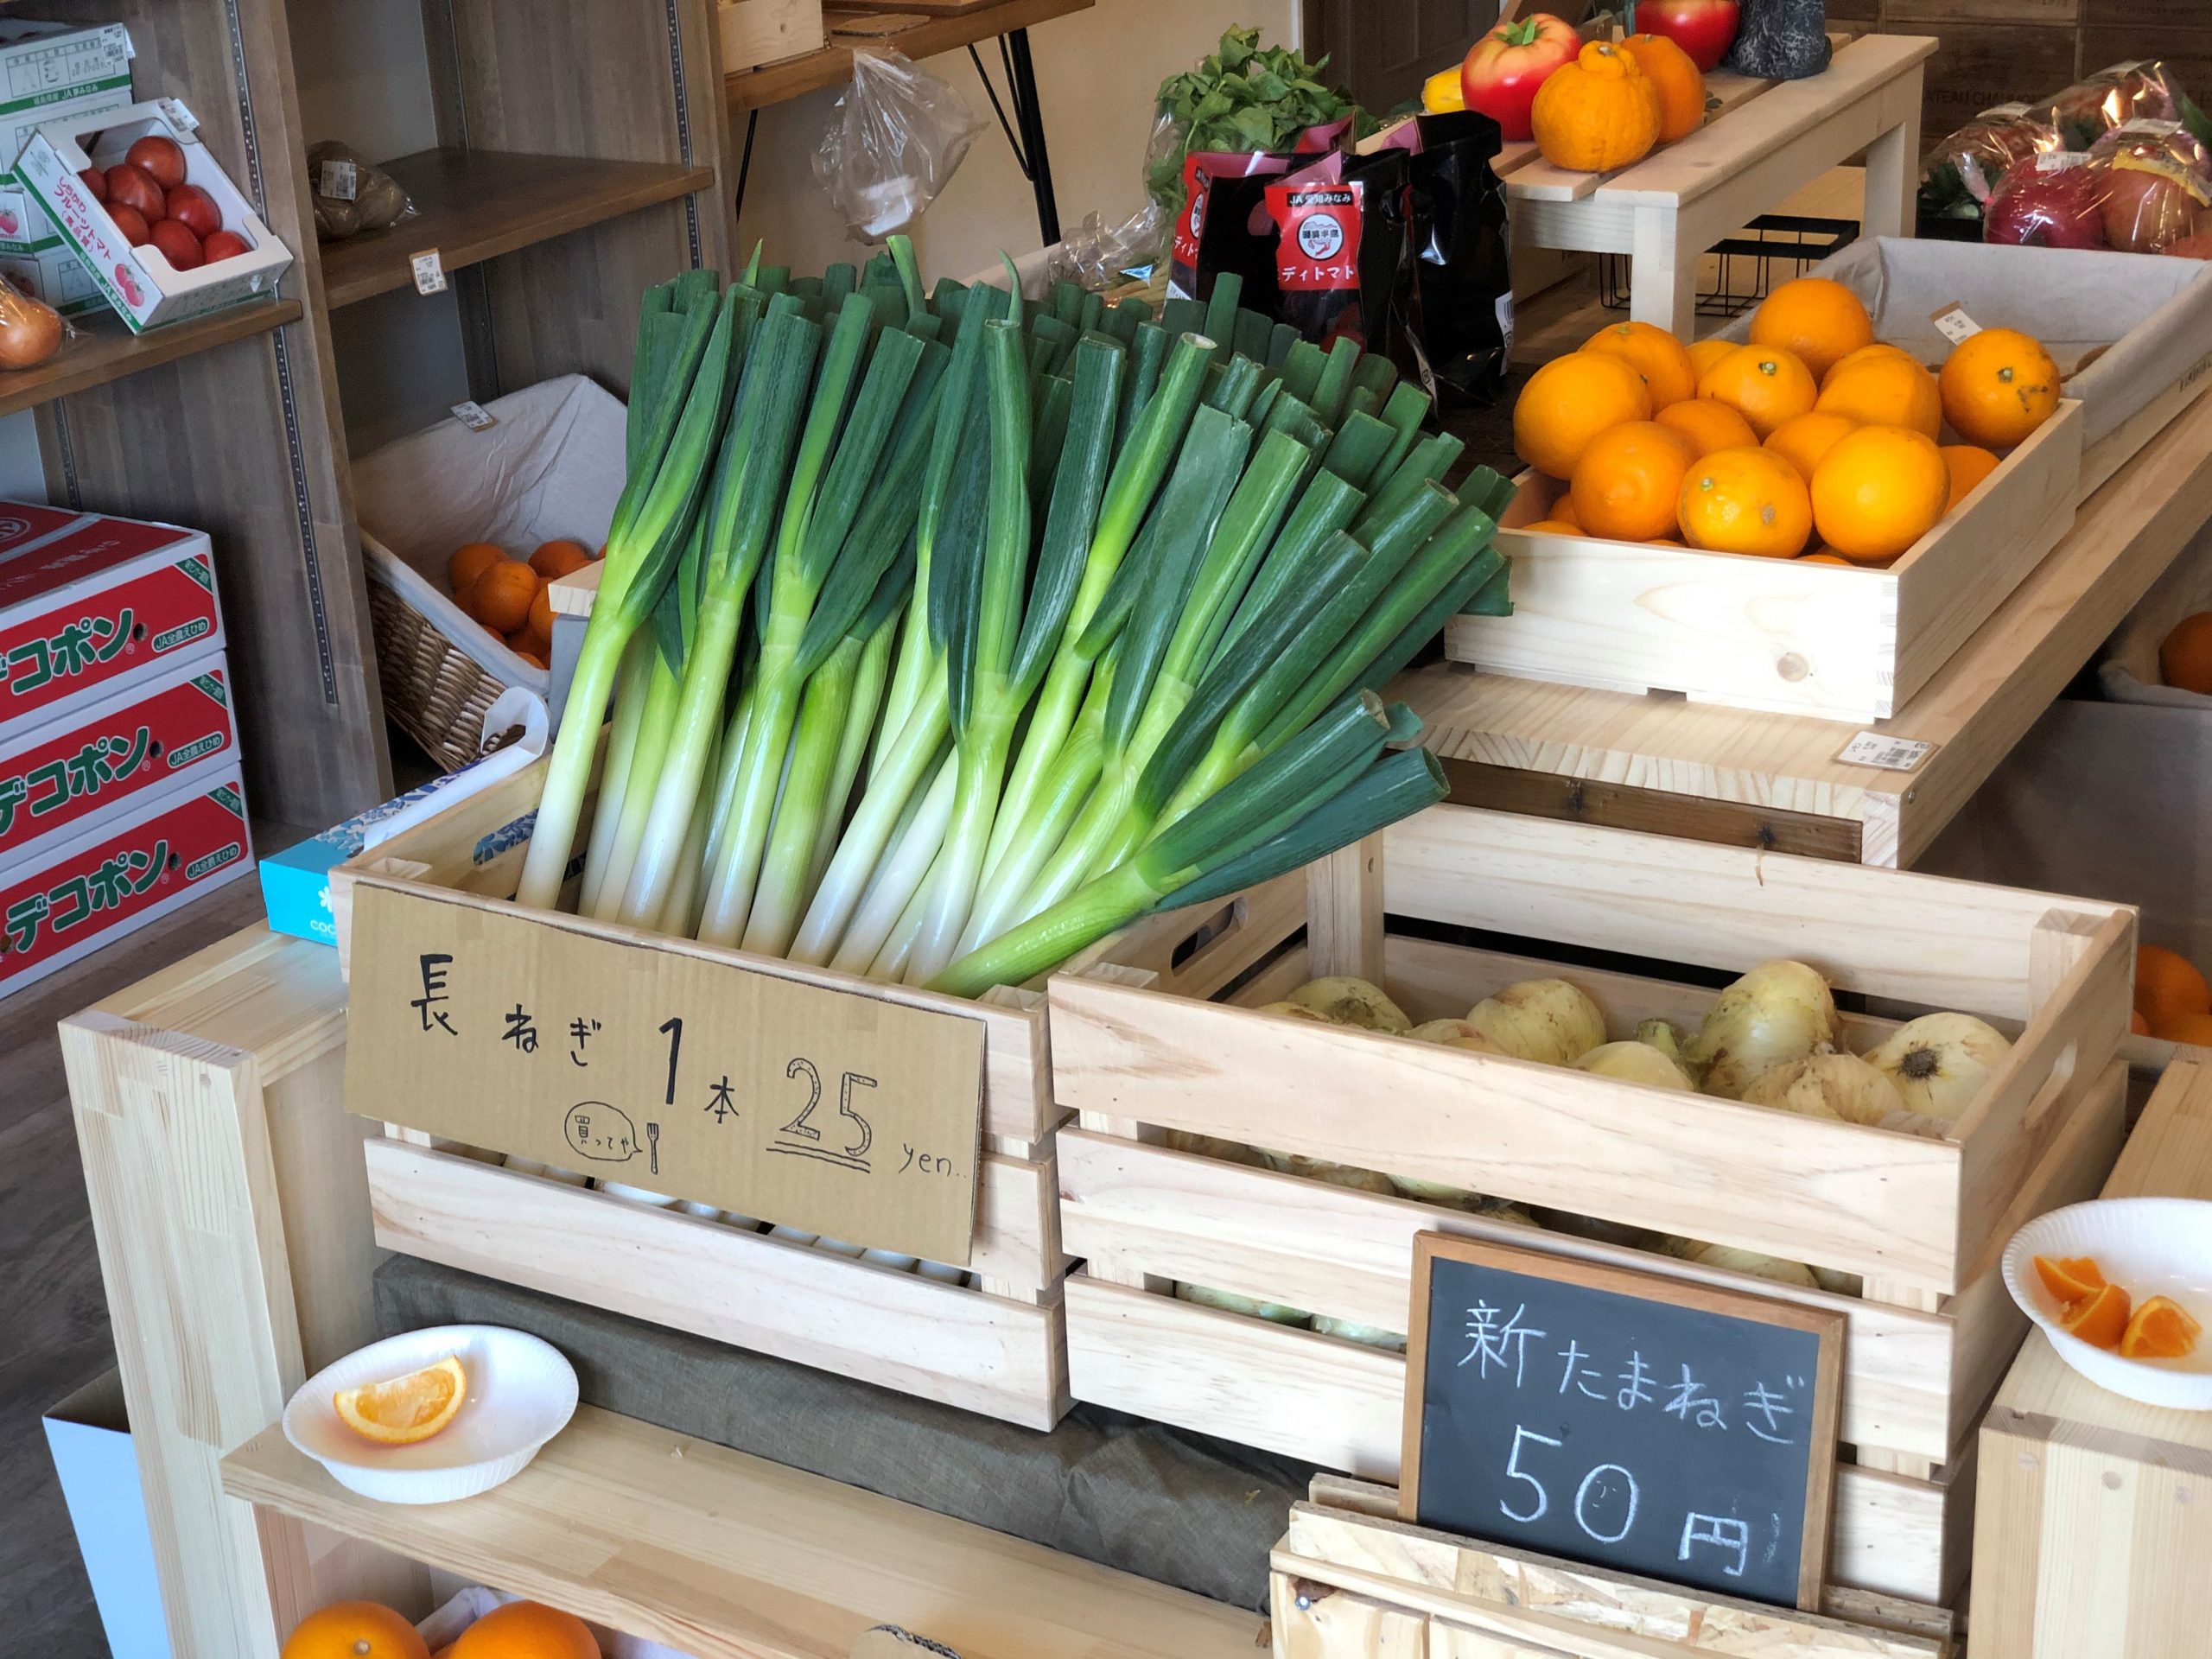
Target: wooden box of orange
1171 1090
1809 522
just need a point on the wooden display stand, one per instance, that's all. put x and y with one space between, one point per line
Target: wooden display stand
1770 140
2096 1516
1922 1219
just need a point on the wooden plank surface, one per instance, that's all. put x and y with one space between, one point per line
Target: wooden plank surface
780 83
726 1556
1974 710
1529 177
105 350
472 204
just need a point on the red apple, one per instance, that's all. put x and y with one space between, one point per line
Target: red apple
1704 29
135 187
224 245
195 209
161 158
96 182
1503 69
2044 208
131 222
178 246
2144 212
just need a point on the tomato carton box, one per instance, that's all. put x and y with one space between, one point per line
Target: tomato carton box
51 72
85 600
58 776
140 282
117 876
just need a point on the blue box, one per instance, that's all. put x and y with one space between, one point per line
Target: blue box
89 1436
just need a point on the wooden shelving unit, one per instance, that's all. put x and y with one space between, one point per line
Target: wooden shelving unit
726 1556
105 350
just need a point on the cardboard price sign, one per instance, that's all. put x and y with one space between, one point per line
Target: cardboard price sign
847 1114
1623 1418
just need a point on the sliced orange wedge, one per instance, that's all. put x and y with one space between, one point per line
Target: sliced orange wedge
2099 1318
407 1408
2069 1278
2159 1330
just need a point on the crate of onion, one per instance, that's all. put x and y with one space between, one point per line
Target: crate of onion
1249 1170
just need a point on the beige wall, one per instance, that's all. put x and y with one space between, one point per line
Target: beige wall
1097 72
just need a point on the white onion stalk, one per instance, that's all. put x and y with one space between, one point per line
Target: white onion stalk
1826 1085
1368 1336
1349 1002
1273 1313
1779 1012
1547 1020
1635 1062
1941 1062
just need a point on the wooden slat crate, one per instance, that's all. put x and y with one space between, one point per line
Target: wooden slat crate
995 1345
1350 1581
1922 1219
1779 634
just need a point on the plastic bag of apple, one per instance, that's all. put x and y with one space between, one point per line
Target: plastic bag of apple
2145 187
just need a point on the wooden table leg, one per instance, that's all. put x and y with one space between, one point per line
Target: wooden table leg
1662 275
1893 175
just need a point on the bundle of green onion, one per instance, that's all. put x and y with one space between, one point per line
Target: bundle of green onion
946 634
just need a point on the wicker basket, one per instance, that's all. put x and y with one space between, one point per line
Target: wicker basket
432 692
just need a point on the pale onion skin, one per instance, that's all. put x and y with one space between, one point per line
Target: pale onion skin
1349 1002
1635 1062
1661 1035
1319 1169
1941 1062
1499 1210
1750 1261
1297 1011
1547 1020
1826 1085
1207 1146
1273 1313
1454 1033
1368 1336
1779 1012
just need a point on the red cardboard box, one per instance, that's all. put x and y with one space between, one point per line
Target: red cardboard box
163 852
93 600
57 775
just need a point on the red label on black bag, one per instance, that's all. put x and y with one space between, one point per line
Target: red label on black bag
1190 222
1317 247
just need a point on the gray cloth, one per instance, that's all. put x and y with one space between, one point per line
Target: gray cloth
1181 1509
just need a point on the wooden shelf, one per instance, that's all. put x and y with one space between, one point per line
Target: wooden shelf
106 350
473 205
1660 763
925 37
726 1556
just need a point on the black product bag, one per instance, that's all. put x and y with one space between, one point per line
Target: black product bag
1461 234
1341 264
1224 224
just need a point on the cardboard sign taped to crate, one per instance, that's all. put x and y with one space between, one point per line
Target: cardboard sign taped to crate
654 1064
1606 1415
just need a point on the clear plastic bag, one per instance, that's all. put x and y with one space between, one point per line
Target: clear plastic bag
350 193
1962 170
2156 182
895 138
2050 200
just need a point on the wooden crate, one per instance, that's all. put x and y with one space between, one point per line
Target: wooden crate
1779 634
1923 1220
994 1345
755 32
1350 1581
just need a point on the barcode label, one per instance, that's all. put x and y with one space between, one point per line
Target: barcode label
473 416
177 115
1953 323
1891 753
2060 161
341 181
430 272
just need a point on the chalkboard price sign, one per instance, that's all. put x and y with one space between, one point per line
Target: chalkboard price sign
1622 1419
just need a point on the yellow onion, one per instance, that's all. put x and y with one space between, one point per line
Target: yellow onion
1455 1034
1750 1261
1370 1336
1599 1231
1547 1020
1227 1302
1297 1011
1941 1062
1634 1062
1320 1169
1826 1085
1207 1146
1475 1204
1779 1012
1840 1283
1349 1002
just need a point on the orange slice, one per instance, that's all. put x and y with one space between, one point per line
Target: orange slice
2071 1278
408 1409
2160 1329
2099 1318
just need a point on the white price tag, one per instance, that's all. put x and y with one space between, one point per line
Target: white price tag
177 115
2060 161
1891 753
473 416
341 181
1953 323
430 272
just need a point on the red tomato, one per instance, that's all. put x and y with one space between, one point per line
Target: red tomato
195 209
161 158
178 246
1704 29
224 245
131 222
135 187
96 182
1501 74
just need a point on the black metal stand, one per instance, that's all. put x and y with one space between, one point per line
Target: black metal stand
1024 134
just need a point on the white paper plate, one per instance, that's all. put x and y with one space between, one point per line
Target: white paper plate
2151 1247
521 1394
